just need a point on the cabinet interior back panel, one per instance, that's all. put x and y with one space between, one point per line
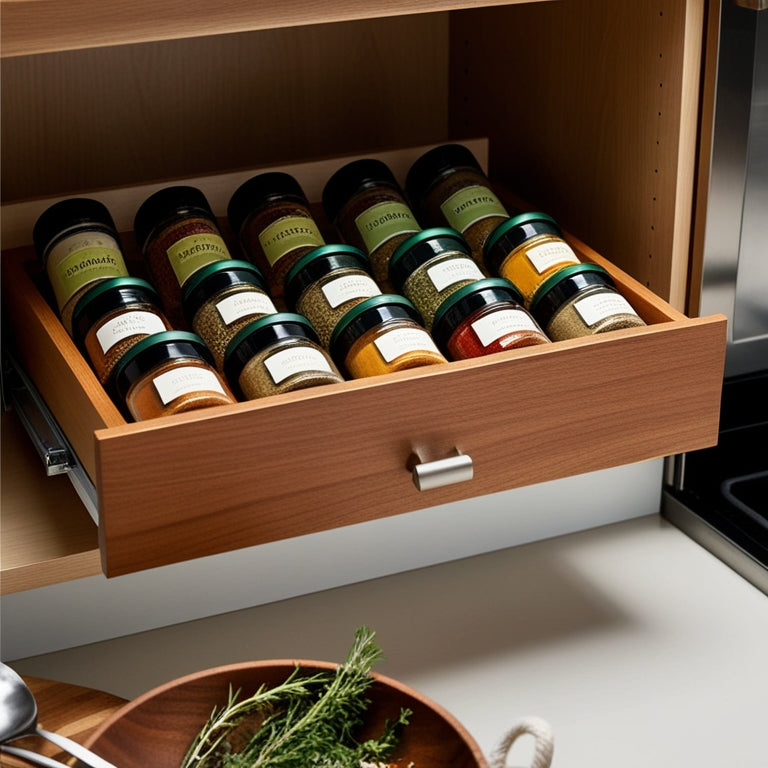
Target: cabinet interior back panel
88 119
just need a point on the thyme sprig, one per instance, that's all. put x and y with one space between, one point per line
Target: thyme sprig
308 720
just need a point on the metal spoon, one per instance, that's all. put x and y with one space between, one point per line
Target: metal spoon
18 717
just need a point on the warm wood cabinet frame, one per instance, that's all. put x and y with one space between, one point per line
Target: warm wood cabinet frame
590 109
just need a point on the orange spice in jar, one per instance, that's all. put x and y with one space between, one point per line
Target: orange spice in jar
526 250
383 334
169 373
112 317
270 216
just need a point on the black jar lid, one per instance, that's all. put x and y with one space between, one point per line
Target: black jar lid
215 277
165 204
261 333
422 247
74 212
319 262
433 165
260 190
351 179
366 315
153 350
563 285
469 299
513 232
107 296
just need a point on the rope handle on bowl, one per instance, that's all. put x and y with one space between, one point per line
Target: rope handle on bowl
543 738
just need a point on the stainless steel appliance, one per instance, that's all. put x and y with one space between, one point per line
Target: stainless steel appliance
719 496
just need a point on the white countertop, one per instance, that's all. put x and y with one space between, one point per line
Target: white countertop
635 644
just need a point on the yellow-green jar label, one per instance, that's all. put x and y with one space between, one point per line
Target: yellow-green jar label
383 221
190 253
80 259
288 233
470 204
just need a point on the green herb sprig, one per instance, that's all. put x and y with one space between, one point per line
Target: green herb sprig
308 720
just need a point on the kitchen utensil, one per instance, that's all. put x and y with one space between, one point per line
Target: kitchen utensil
18 717
32 757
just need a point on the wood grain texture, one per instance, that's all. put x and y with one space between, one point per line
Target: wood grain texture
71 710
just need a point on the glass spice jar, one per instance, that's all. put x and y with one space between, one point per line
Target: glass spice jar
365 203
168 373
429 266
177 234
277 354
271 217
381 335
77 243
527 249
112 317
222 298
327 282
484 317
447 187
582 300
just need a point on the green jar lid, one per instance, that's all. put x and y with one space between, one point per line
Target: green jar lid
513 232
420 248
565 284
153 350
319 262
467 300
216 277
366 315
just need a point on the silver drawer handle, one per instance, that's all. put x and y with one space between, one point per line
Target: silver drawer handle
435 474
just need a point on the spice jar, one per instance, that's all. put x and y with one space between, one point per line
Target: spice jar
222 298
429 266
484 317
381 335
276 354
177 233
580 301
112 317
270 215
167 373
447 186
78 245
527 249
326 282
365 203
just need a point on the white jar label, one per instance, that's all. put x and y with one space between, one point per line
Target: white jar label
399 341
287 362
128 324
243 304
548 255
592 309
184 380
450 271
497 324
349 287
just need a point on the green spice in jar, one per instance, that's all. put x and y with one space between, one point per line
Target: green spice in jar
582 300
327 282
222 298
429 266
78 245
178 234
365 203
447 187
527 249
112 317
276 354
271 217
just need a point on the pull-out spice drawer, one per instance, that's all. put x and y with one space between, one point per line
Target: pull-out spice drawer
186 486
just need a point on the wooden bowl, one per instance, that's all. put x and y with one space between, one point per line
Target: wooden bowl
156 728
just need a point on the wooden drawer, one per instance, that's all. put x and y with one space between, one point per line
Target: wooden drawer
195 484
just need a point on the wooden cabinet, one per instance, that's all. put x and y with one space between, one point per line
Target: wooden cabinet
586 109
